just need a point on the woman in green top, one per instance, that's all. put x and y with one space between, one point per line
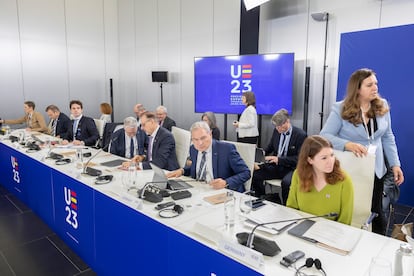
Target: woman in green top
319 185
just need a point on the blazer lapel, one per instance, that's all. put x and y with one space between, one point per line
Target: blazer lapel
214 157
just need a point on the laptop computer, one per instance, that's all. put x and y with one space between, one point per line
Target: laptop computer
259 156
161 180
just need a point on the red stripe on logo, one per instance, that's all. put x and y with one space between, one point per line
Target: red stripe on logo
247 76
73 193
73 206
246 66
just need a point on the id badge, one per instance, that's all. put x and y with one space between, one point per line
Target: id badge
372 149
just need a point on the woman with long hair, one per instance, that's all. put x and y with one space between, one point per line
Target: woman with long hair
361 123
319 185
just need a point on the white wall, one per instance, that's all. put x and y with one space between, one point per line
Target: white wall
52 51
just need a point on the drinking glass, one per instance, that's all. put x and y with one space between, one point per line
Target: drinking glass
380 267
245 204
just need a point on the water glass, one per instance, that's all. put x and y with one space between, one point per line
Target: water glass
245 204
380 267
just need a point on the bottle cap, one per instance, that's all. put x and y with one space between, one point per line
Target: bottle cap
406 248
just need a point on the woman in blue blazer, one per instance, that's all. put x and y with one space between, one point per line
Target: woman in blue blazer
361 123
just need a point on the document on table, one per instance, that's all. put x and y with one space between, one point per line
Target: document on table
328 234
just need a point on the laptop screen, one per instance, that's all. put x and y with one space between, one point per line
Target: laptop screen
159 178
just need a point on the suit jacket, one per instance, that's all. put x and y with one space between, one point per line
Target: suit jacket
86 131
215 132
340 132
295 143
63 126
38 122
227 164
168 123
163 151
118 142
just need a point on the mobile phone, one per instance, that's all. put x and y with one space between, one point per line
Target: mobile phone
292 258
257 203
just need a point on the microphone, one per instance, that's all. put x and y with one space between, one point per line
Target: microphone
266 246
91 171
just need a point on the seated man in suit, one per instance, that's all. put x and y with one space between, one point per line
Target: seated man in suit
83 130
34 120
161 145
281 155
129 141
163 119
216 162
59 124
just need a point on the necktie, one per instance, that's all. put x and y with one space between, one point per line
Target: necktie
75 127
53 132
149 151
281 144
131 153
202 170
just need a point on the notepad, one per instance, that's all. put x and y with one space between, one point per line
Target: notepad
331 235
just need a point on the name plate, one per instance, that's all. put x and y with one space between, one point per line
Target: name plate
242 253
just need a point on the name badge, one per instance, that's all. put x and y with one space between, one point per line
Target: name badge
372 149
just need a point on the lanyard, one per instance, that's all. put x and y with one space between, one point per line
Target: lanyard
371 121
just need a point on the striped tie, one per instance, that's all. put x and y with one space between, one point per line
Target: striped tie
202 170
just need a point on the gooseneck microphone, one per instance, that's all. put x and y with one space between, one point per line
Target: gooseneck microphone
267 243
91 171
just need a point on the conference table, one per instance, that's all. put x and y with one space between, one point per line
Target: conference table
117 233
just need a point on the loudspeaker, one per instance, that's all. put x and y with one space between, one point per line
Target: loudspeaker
159 76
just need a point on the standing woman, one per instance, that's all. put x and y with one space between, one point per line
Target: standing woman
319 185
247 125
210 119
106 111
361 123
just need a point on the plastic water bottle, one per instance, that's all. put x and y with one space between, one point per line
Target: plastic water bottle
404 261
132 174
79 159
229 210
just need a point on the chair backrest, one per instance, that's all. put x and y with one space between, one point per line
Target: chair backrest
108 130
247 153
100 125
182 139
362 172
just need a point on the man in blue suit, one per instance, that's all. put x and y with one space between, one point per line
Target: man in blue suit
83 130
129 141
161 145
216 162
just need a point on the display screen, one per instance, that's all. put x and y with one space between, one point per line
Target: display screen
220 82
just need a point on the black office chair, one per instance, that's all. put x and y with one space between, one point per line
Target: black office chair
108 130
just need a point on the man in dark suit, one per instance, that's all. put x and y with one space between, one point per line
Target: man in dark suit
163 119
59 124
129 141
216 162
281 155
83 130
161 145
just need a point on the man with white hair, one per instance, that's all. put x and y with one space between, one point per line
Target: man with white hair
163 119
129 141
216 162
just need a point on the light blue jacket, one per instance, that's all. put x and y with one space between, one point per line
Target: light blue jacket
340 132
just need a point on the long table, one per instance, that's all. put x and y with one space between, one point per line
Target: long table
118 234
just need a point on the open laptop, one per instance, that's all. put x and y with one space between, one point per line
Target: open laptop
161 180
259 156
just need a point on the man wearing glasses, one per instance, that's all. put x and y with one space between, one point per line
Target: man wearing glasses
215 162
281 155
129 141
161 145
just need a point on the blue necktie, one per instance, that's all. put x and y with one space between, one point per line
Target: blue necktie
75 128
131 153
